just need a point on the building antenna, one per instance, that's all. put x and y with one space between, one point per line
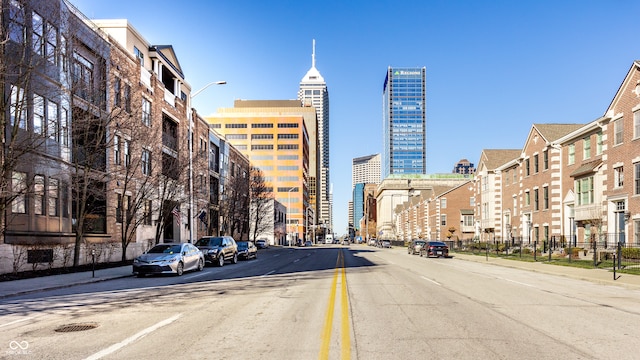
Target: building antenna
313 54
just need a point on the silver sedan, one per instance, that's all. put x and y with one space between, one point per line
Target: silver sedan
169 259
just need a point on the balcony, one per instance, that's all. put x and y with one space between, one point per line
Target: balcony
145 77
169 97
588 212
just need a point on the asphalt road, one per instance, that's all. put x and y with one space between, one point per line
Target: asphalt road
328 302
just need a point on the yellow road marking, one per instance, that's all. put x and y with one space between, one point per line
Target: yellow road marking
345 340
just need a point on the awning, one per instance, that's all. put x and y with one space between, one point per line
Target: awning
586 168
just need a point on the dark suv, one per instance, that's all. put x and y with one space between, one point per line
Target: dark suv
218 249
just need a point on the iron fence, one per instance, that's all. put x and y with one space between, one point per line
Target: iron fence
602 251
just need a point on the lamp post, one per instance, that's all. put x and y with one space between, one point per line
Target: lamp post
190 143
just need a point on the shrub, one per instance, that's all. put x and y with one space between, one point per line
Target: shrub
631 253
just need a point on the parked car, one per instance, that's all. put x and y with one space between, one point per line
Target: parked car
435 248
262 244
218 249
385 244
247 250
372 242
415 246
308 243
169 259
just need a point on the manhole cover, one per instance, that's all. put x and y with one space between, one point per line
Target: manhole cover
77 327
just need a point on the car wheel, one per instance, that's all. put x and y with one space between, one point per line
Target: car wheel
221 260
200 265
140 275
255 256
180 269
235 259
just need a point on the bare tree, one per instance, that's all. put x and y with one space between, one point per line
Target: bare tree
234 208
261 201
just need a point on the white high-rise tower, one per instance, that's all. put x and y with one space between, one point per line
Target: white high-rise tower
313 92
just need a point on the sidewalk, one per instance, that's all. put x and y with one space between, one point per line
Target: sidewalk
599 276
26 286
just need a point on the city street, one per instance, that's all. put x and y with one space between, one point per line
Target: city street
328 302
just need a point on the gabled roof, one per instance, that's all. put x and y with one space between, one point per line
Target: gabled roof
586 168
625 82
169 55
494 158
553 132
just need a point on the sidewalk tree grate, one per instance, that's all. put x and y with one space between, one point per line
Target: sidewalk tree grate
76 327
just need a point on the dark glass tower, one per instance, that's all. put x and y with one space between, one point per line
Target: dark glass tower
404 122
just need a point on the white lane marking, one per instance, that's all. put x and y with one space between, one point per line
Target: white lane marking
433 281
16 321
516 282
296 260
269 273
133 338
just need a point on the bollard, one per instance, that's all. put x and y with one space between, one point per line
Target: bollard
93 265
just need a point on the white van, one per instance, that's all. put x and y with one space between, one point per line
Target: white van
328 239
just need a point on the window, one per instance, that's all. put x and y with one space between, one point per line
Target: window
571 154
64 127
116 150
545 195
618 130
139 55
443 203
52 121
146 212
38 114
38 195
82 75
37 36
584 191
636 124
599 143
443 220
618 177
19 186
117 92
586 147
527 170
18 108
636 232
127 98
16 22
52 198
239 137
119 209
146 162
536 203
51 44
146 112
287 125
125 150
527 198
288 136
287 146
637 178
535 164
545 160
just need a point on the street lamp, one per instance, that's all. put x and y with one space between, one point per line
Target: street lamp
190 142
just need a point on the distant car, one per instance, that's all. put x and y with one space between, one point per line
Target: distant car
169 259
218 249
247 250
262 244
385 244
372 242
346 242
415 246
435 248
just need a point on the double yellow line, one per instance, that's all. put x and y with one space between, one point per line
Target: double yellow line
345 338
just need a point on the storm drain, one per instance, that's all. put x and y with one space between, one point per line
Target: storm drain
76 327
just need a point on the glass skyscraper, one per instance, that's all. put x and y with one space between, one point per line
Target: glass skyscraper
404 122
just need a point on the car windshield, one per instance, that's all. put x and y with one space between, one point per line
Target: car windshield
242 245
420 242
165 249
216 241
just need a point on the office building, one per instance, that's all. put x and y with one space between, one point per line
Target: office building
404 122
278 137
366 170
313 92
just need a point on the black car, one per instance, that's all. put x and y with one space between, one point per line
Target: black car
218 249
435 248
247 250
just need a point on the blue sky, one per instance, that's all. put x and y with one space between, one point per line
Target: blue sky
493 67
